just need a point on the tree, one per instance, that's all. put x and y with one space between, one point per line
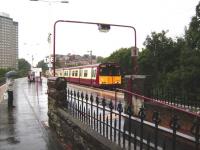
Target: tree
23 67
43 65
154 59
123 57
100 59
190 56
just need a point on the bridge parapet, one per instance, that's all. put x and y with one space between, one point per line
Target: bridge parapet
73 133
86 122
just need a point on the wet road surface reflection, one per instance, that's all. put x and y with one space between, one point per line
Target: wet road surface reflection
26 126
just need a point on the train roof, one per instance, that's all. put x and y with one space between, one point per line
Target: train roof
87 66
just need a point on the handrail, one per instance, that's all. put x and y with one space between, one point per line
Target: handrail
147 99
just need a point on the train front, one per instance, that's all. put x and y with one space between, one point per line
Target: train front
109 75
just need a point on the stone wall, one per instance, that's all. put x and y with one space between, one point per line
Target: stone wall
71 131
184 119
141 85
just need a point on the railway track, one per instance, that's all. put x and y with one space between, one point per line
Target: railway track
113 95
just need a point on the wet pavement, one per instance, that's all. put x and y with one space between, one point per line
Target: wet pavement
26 126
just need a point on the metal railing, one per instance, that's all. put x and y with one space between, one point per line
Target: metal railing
127 131
173 97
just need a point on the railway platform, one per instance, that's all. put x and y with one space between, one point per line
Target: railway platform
26 126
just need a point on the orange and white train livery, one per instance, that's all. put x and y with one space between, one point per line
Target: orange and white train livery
105 75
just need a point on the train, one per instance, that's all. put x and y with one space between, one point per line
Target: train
103 75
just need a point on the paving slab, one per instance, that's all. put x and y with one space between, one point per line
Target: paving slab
26 126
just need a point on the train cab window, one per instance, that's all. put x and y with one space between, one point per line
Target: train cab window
103 71
85 73
109 71
116 71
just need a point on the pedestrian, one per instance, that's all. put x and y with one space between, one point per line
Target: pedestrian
10 87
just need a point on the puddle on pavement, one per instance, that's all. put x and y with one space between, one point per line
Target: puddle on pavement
13 140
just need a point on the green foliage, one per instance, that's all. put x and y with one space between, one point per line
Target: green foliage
2 75
3 72
160 56
100 59
43 65
23 67
123 57
174 64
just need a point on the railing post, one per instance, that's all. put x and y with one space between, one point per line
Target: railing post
107 127
142 116
78 96
67 101
91 100
104 105
86 98
111 109
174 126
82 97
120 110
195 130
97 103
130 113
156 119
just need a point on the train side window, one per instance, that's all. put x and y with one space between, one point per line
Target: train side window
85 73
76 73
80 73
69 73
65 74
95 73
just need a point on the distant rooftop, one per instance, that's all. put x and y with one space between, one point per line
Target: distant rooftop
4 14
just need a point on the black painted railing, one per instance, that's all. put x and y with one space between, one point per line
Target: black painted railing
176 98
127 131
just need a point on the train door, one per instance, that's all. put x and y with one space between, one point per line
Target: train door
91 70
93 76
69 75
79 76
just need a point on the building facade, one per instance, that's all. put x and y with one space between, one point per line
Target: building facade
8 42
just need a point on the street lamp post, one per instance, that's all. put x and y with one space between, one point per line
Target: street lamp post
90 56
103 28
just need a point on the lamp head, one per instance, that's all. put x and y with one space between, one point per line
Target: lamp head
103 27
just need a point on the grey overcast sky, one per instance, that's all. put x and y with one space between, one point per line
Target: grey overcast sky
36 21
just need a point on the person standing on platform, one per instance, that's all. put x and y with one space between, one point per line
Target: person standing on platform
10 87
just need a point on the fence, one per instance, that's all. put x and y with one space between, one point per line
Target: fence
127 131
174 97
